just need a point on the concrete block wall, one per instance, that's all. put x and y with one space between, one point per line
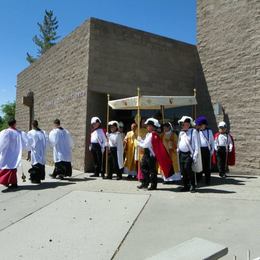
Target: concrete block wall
59 83
229 48
122 59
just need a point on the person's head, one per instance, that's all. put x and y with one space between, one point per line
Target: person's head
133 126
56 123
121 127
12 123
35 124
152 124
95 122
222 127
143 122
113 126
167 127
201 122
185 122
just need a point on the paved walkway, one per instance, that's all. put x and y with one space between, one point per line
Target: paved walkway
52 220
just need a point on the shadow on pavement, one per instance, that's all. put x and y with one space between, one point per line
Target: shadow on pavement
42 186
243 177
79 179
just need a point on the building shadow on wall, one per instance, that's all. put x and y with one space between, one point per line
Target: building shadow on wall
205 106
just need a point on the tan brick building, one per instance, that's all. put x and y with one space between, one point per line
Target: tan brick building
228 34
72 79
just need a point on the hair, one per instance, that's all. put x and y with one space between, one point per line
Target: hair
57 121
35 123
11 122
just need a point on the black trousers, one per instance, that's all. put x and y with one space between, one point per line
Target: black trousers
186 170
222 159
37 172
97 158
113 163
148 168
206 162
62 168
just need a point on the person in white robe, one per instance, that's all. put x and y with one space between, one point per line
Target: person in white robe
61 141
12 143
38 141
116 150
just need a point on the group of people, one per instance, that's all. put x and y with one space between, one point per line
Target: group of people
13 142
142 153
156 148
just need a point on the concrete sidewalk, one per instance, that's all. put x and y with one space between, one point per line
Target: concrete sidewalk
140 224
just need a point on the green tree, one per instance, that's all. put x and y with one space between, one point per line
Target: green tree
47 36
8 111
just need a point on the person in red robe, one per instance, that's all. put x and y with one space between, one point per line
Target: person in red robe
224 154
154 151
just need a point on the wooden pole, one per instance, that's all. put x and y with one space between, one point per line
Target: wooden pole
108 98
138 128
195 106
162 112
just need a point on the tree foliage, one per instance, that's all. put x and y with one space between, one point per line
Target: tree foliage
47 37
8 111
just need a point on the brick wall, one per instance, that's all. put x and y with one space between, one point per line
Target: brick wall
229 48
59 83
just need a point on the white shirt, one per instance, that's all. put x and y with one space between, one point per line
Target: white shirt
61 141
115 140
12 142
189 142
207 139
98 136
224 140
147 143
38 141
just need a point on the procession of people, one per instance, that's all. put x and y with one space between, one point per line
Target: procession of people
148 150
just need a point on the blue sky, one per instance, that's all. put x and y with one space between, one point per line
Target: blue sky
172 18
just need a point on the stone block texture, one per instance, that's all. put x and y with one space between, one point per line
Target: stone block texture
72 79
58 81
228 35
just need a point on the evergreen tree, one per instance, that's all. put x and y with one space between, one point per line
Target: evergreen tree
8 111
47 37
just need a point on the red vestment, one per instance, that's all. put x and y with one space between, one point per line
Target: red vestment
8 176
231 160
162 155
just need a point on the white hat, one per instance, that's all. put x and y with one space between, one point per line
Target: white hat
95 119
186 119
115 123
222 124
152 121
121 124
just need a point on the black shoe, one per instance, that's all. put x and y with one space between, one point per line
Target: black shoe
119 178
184 189
94 175
152 187
142 186
52 176
13 186
129 177
36 181
192 189
108 178
60 176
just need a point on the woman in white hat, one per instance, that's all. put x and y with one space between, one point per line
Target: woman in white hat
97 146
116 150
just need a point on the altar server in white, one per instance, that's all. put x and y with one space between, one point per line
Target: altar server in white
61 141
